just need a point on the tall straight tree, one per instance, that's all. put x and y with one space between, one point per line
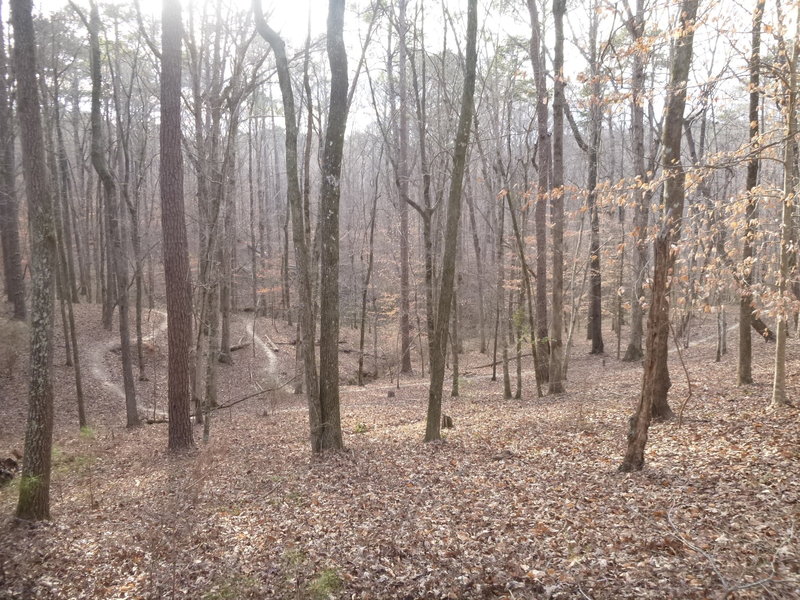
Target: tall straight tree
175 248
669 233
641 198
595 126
329 435
745 365
446 289
34 489
556 383
402 186
543 159
9 219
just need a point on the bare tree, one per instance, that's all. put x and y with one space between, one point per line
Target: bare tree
668 234
439 345
108 180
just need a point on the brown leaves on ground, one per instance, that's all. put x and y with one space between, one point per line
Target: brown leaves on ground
522 499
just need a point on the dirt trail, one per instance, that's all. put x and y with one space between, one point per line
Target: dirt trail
267 347
99 350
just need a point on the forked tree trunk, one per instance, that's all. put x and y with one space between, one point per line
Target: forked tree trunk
34 486
439 345
669 234
114 242
301 243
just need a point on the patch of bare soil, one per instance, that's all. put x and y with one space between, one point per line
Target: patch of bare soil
522 499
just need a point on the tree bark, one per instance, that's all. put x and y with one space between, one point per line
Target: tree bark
175 248
439 346
669 234
34 488
556 379
329 437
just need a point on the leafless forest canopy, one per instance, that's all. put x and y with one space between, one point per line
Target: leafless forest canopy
399 299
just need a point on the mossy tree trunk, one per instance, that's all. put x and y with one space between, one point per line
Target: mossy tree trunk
34 491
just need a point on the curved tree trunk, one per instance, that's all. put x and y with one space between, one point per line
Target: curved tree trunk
669 234
439 345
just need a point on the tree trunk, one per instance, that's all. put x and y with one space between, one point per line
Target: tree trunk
641 197
595 124
439 346
744 374
295 201
175 248
790 180
543 185
402 186
476 244
34 487
329 437
556 380
368 274
669 234
9 217
116 250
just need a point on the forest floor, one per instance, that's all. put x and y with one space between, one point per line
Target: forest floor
521 500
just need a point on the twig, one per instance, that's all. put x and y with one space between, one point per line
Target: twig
697 549
686 371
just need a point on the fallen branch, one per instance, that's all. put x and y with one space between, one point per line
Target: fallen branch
499 362
255 394
697 549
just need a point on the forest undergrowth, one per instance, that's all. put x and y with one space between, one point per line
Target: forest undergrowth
521 500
